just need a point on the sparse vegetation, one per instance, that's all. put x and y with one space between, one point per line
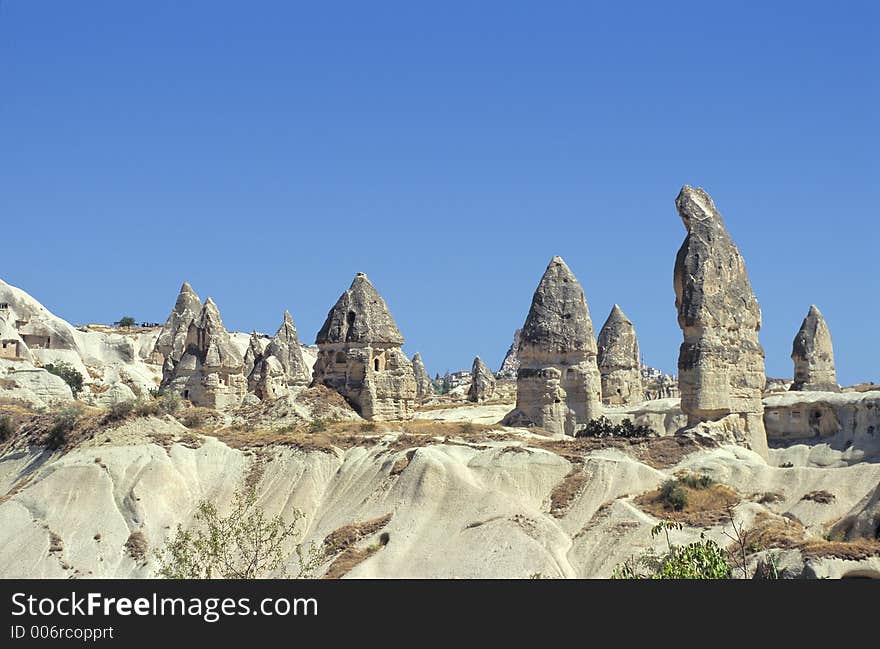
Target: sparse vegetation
820 497
120 410
695 500
673 495
246 544
62 425
602 428
6 428
136 545
125 322
68 373
704 559
342 542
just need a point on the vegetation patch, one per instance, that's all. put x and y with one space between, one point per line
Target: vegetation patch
770 532
602 427
136 545
565 492
342 542
821 497
693 500
656 452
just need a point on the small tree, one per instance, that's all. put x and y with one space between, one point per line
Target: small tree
125 322
62 426
68 373
704 559
246 544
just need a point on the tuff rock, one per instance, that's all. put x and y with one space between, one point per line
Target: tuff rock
360 355
510 364
558 383
424 386
619 360
482 382
720 362
813 355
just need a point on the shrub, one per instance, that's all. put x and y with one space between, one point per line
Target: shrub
704 559
318 426
170 402
68 373
602 427
368 427
674 497
193 418
62 426
120 410
697 481
246 544
6 428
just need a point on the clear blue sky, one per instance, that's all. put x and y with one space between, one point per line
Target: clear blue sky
267 151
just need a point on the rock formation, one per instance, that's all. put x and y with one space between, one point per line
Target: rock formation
510 364
210 372
280 367
424 386
813 355
619 360
482 382
171 342
720 362
360 355
558 383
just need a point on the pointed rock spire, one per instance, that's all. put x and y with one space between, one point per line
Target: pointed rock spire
510 364
559 319
813 355
360 316
619 360
172 339
285 347
424 386
721 362
558 386
482 382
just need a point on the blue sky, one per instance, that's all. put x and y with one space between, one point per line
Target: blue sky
268 151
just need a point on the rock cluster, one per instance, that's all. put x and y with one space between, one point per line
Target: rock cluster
720 362
482 382
510 364
558 383
201 363
273 371
619 360
424 386
360 355
813 355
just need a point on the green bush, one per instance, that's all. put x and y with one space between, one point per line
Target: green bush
68 373
602 427
673 496
318 426
126 321
6 428
697 481
704 559
62 426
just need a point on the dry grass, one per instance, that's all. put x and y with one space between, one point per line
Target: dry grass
769 532
341 543
56 544
402 462
704 507
565 492
136 545
656 452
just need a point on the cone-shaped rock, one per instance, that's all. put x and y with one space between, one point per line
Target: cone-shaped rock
424 386
360 316
720 362
813 355
360 355
558 386
253 355
619 360
172 339
510 364
482 382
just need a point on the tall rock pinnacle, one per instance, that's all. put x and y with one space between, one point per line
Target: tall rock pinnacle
619 360
720 362
813 355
